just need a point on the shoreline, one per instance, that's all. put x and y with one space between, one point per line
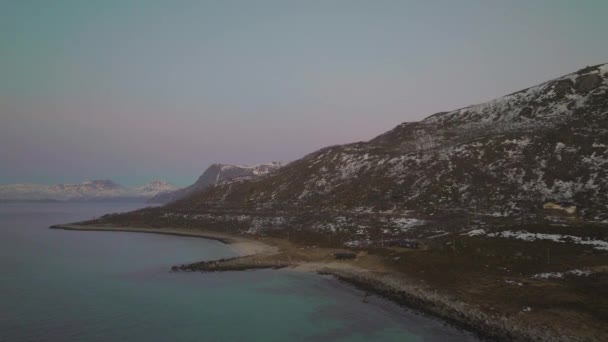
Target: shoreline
253 254
428 302
242 246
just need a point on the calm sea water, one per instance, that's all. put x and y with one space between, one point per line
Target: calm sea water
103 286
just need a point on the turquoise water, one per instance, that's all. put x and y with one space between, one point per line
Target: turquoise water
60 285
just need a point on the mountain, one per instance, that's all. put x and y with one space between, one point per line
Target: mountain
500 209
154 188
541 152
215 174
547 143
85 191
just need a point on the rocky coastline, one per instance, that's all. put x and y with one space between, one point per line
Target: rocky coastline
394 286
450 310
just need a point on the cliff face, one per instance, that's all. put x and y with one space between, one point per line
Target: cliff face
215 174
542 147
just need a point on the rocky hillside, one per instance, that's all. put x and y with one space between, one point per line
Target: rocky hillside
85 191
215 174
539 153
547 143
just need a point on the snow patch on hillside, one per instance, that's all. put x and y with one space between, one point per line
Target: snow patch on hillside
560 275
527 236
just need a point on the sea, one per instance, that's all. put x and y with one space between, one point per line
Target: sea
58 285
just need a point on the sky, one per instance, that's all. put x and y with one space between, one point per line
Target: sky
139 90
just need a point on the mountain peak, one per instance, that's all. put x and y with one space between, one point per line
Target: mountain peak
217 173
557 97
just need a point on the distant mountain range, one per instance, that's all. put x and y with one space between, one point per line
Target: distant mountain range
94 190
215 174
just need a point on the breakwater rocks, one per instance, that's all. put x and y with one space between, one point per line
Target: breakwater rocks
233 264
495 328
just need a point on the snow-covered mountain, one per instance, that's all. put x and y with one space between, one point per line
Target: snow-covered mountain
154 188
215 174
85 191
529 154
544 144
